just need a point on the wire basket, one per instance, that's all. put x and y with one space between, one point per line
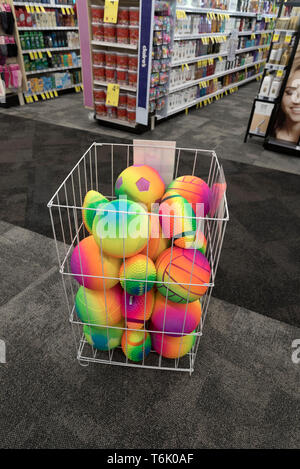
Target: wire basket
97 170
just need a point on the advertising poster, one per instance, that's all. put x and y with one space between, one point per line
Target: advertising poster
287 121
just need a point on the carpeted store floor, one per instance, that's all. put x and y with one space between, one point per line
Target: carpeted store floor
245 388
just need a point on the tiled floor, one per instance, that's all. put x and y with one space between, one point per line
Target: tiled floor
220 126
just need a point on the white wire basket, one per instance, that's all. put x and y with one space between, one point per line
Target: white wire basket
98 170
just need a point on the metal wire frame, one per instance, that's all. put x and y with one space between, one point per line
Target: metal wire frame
65 209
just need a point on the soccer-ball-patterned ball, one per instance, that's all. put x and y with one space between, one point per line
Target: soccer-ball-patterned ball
140 183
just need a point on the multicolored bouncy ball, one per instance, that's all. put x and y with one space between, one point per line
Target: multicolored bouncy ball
96 308
121 228
195 191
104 338
177 217
140 183
91 201
157 243
135 271
183 274
198 242
137 309
168 316
172 346
87 261
136 345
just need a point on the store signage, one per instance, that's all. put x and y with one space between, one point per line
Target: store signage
145 52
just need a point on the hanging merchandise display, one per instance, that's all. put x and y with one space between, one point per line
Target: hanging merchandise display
49 39
275 113
12 76
186 52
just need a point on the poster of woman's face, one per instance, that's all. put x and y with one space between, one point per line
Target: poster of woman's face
287 124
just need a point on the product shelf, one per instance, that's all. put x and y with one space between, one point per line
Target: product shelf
275 67
199 36
53 69
190 9
212 95
114 44
116 121
197 59
45 5
49 49
211 77
50 28
54 89
248 49
248 33
122 87
292 31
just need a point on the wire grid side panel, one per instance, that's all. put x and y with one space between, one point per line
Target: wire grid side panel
104 163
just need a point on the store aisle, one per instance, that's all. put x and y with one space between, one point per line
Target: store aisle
220 126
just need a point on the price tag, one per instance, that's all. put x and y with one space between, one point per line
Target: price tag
35 55
51 94
220 58
43 96
43 10
68 11
200 103
35 97
37 9
49 53
267 19
279 73
180 14
186 111
40 54
31 55
72 11
111 11
288 39
55 93
276 37
81 87
63 11
47 95
32 9
252 36
112 95
27 99
226 92
27 8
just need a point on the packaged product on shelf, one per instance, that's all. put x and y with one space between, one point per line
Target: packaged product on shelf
97 13
98 32
99 95
131 115
132 78
122 99
122 76
122 113
122 60
98 57
110 58
131 101
132 62
100 108
123 15
99 72
122 33
133 34
111 112
109 32
110 75
134 15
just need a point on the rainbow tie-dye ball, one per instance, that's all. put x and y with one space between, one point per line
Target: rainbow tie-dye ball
137 274
136 345
104 338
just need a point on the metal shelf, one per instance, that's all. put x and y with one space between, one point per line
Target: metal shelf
50 28
114 44
199 36
49 49
275 67
211 77
53 69
45 5
197 59
212 95
122 87
248 49
190 9
248 33
54 89
115 121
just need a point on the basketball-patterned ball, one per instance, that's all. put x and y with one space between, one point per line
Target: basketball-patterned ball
177 218
98 308
136 345
104 338
194 190
172 347
121 228
140 183
168 316
91 201
136 310
137 274
184 275
88 266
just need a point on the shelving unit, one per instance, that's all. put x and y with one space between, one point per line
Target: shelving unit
40 30
268 103
239 39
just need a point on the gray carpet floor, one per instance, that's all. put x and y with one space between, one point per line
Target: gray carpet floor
244 392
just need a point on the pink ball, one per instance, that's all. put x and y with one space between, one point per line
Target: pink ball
136 310
175 317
